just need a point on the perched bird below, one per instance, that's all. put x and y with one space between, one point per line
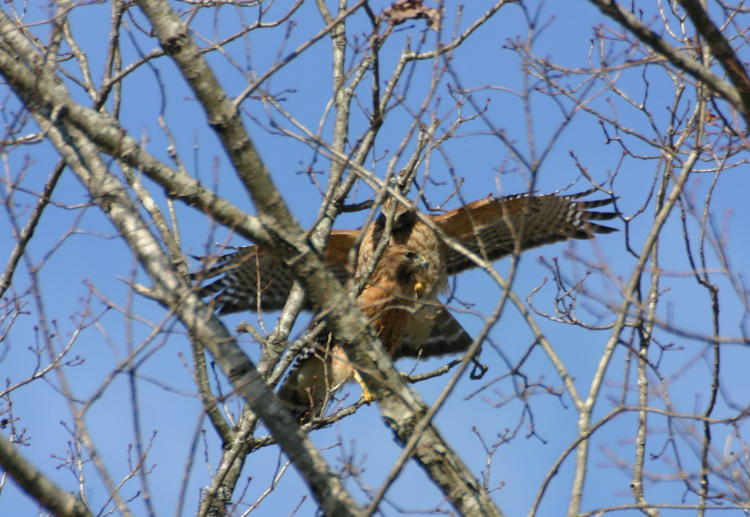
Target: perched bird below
493 227
398 300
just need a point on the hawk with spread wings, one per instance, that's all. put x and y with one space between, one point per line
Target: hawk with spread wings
399 301
254 279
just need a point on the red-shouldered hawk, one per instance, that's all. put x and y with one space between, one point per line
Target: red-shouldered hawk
253 279
396 300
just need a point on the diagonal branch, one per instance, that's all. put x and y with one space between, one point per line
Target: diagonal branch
27 232
112 139
47 493
721 49
717 85
82 156
401 407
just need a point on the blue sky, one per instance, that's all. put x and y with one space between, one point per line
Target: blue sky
91 256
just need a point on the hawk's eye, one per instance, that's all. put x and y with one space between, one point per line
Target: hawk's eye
411 255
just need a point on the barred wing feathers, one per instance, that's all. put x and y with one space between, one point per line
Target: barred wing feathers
491 227
252 271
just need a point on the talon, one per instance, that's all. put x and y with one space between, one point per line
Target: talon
479 369
367 395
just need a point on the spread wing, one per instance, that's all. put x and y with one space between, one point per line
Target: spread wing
491 227
253 278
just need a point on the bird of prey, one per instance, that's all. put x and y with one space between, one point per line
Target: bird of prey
253 278
399 301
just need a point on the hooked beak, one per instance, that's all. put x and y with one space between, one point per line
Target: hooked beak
421 262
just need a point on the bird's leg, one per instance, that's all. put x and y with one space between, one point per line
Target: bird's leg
366 394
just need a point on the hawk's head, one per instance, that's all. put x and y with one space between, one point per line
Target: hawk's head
408 268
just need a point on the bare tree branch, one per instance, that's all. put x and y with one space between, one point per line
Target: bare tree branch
49 495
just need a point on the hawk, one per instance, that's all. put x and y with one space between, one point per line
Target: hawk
254 279
398 301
